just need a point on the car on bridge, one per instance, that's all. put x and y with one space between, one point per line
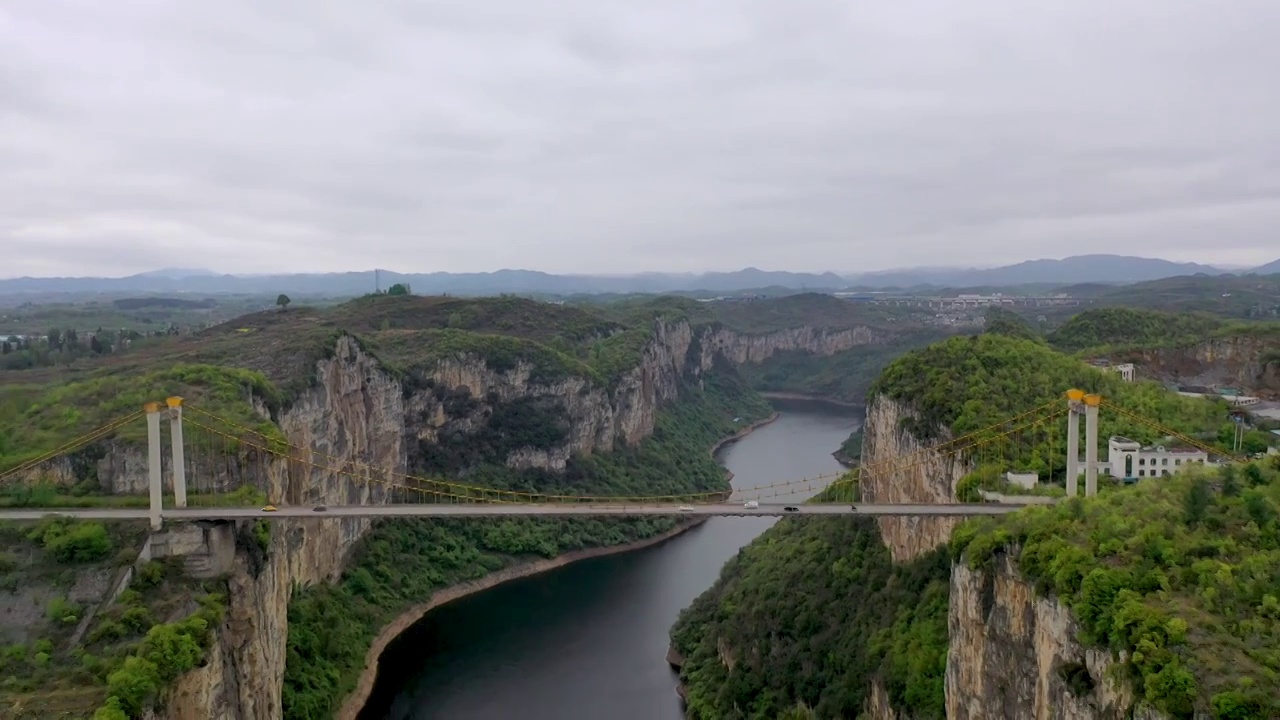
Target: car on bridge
686 508
791 508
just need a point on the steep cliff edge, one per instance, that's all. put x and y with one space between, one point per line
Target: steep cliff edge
505 393
876 620
1015 654
358 414
1249 362
898 467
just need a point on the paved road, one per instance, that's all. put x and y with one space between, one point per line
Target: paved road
487 510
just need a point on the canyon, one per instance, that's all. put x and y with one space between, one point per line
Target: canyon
359 414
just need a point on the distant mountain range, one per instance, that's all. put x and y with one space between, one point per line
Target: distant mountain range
1110 269
1270 268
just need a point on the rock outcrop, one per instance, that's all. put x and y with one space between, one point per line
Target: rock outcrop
1013 654
1248 362
358 428
897 467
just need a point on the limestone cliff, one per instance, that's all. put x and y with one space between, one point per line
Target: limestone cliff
1013 654
1246 361
358 427
897 467
740 348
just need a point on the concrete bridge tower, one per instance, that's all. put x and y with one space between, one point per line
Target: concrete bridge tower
1078 403
154 465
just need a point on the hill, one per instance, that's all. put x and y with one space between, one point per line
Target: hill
1066 271
813 618
1232 296
1270 268
1131 327
1047 272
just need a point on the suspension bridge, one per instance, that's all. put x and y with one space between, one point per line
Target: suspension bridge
220 468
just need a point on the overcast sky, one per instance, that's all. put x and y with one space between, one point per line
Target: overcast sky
620 136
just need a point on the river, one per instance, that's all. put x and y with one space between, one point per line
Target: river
588 641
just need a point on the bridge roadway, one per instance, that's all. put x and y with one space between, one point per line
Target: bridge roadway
501 510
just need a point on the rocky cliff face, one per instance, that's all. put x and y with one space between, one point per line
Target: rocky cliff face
741 349
1014 654
1239 361
357 428
896 467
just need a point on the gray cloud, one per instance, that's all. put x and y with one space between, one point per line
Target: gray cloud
609 136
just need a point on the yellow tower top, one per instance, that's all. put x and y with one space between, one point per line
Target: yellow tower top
1075 395
151 407
1093 400
174 401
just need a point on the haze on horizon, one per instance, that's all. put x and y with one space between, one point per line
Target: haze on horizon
600 136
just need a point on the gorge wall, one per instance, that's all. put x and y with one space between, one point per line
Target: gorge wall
1245 361
358 426
1014 654
898 467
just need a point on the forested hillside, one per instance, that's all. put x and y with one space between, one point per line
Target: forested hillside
812 612
1183 576
1123 326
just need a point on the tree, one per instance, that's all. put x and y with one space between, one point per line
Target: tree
283 301
398 289
1196 501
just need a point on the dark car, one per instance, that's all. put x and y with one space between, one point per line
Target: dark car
853 507
319 508
791 508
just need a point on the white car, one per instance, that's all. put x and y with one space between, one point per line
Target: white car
686 508
752 505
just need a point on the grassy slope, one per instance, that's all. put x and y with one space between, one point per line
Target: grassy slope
803 607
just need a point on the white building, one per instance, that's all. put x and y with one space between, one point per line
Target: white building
1128 460
1023 480
1124 370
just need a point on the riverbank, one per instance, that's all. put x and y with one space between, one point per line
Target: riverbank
728 474
355 701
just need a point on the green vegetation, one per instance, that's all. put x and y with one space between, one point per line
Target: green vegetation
810 613
1245 297
1122 326
968 384
35 421
843 376
128 653
1182 574
850 452
401 563
1000 321
418 352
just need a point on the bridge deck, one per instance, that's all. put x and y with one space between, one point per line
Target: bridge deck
492 510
